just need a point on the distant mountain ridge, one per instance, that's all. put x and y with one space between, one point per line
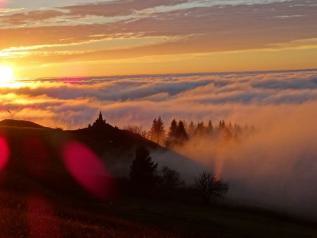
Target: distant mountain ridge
20 123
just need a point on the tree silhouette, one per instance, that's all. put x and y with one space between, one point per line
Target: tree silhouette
137 130
177 134
208 186
181 133
200 129
143 171
172 134
99 124
170 179
223 131
210 127
222 124
157 132
191 128
173 129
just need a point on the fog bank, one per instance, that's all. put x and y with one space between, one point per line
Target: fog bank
275 167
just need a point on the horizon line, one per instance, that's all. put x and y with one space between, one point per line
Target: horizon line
178 74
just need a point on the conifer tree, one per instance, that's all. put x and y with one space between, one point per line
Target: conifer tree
210 127
143 171
191 128
157 132
181 133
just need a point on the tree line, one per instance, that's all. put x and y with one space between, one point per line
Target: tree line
147 179
179 131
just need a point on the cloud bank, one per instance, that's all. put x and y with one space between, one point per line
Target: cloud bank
138 99
276 167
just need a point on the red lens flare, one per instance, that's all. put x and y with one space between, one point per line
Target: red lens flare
4 152
86 168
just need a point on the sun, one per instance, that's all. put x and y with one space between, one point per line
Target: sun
6 74
7 77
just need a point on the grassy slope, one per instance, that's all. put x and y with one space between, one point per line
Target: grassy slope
51 207
138 218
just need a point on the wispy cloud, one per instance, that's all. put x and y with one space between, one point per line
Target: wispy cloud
92 31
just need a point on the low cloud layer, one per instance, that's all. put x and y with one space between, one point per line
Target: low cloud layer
74 102
276 167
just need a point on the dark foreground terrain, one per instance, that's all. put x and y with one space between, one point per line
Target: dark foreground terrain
38 215
41 196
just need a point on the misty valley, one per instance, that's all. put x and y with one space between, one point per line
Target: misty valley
158 118
186 179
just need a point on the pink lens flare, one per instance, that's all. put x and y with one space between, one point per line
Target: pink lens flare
2 3
87 169
4 152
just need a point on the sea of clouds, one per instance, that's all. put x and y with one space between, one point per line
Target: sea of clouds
75 102
275 167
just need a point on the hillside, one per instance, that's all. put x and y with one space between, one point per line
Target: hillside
39 152
42 196
19 123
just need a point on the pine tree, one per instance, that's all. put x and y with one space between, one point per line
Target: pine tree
181 133
200 129
222 124
173 130
100 123
210 127
143 171
160 130
153 130
157 131
191 128
172 134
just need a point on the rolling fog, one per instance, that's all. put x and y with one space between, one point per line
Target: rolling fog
276 167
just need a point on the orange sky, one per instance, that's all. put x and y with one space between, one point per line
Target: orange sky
86 38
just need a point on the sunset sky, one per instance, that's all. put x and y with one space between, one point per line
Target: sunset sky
41 38
251 63
164 45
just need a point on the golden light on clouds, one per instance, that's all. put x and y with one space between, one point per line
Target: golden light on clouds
157 37
227 61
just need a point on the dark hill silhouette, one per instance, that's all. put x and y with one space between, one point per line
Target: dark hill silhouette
114 146
36 152
20 123
38 186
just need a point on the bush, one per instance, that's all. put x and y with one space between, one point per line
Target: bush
170 179
209 186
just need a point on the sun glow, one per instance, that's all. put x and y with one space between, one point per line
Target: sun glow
7 77
6 73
